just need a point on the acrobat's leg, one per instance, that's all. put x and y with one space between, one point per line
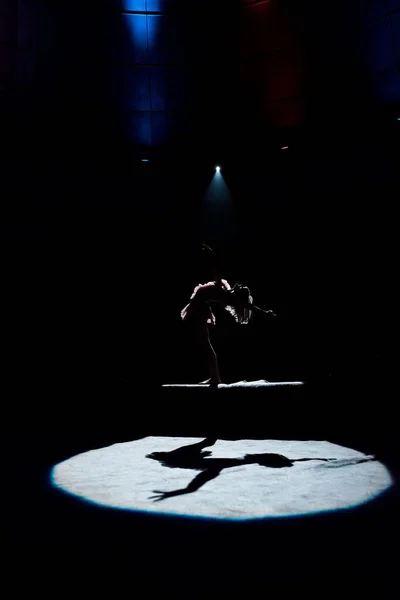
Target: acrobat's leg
210 354
212 361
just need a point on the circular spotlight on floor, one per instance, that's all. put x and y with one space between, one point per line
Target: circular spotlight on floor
242 479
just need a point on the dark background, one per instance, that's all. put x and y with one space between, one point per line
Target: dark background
100 250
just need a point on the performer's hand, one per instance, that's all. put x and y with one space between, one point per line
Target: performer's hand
270 313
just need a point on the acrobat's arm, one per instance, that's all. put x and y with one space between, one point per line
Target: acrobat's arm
270 313
212 262
251 306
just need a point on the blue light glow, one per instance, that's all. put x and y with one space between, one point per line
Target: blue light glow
145 5
136 27
157 5
152 90
142 30
139 5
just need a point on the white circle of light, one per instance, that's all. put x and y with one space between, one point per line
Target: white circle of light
121 476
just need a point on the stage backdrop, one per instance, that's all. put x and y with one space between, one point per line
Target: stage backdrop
170 71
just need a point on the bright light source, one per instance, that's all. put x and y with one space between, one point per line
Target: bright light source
218 169
145 160
285 148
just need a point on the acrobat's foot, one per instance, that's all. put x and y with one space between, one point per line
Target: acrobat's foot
214 383
209 441
211 382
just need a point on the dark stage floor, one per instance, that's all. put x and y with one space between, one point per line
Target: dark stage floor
197 538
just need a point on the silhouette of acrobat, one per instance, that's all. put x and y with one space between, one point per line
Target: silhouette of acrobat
194 457
237 300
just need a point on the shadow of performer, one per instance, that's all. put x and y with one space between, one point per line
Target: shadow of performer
195 457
